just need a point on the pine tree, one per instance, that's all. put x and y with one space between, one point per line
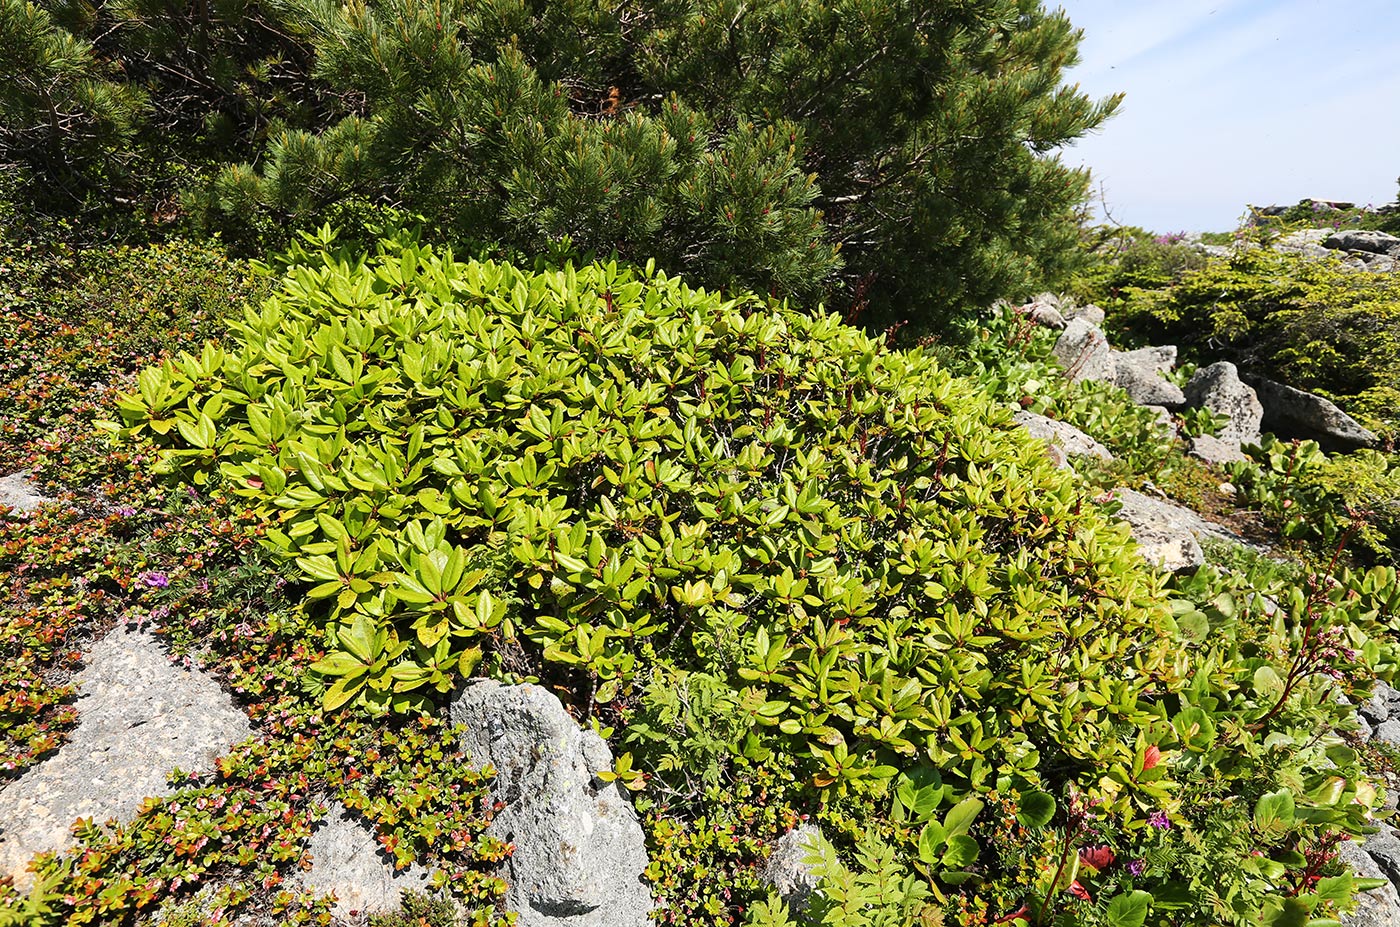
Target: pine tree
894 158
64 112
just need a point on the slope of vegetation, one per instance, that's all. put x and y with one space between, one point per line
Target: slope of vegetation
792 570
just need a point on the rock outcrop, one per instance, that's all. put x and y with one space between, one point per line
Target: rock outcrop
1219 388
579 849
139 717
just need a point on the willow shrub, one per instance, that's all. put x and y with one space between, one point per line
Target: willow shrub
610 481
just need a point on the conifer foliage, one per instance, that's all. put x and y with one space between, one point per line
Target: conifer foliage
875 153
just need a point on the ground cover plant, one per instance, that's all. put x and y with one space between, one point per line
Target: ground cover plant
789 572
123 548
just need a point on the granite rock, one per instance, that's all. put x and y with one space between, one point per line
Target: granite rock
19 494
579 849
1219 388
139 717
1070 441
346 860
1379 907
1083 351
787 869
1294 413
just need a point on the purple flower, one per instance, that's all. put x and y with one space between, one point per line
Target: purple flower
1137 867
126 511
155 580
1159 820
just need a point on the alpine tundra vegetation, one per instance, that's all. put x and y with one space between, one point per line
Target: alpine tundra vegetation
355 355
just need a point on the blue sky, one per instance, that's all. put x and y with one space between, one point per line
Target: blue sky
1232 102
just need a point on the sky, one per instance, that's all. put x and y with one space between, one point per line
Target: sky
1237 102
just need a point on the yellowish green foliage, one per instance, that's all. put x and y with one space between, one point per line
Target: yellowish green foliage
1311 323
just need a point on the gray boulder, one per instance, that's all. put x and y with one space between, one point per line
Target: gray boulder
1061 436
19 494
1044 310
139 717
1218 388
346 861
1388 731
1164 418
1163 531
1307 242
1158 358
1366 240
1384 702
579 850
1168 534
1082 349
1140 374
788 870
1295 413
1089 313
1384 848
1212 450
1379 907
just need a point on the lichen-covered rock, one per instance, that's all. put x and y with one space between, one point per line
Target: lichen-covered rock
139 717
1160 358
1307 242
1294 413
19 495
1218 388
788 870
1082 349
1140 374
1169 534
346 861
1069 440
1365 240
1162 530
579 849
1213 450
